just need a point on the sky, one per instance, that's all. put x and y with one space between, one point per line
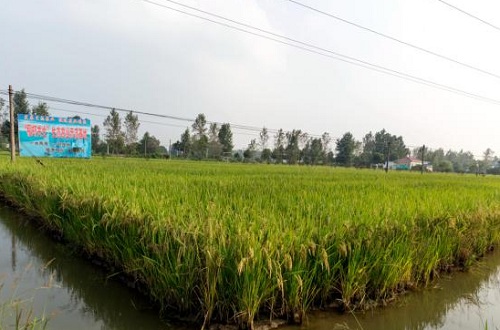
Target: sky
137 55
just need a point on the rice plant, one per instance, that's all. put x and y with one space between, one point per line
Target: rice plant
236 243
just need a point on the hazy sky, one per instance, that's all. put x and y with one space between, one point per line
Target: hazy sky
135 55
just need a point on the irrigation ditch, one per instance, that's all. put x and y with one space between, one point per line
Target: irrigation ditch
81 295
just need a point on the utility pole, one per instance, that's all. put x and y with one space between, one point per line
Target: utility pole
145 144
12 132
169 148
423 156
387 157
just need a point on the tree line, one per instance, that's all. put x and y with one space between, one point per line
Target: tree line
210 140
121 138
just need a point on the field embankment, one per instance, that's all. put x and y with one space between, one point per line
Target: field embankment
234 243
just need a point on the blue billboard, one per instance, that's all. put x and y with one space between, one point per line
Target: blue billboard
46 136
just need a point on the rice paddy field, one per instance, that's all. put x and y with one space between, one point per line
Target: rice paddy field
235 243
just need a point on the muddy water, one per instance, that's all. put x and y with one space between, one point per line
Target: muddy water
44 277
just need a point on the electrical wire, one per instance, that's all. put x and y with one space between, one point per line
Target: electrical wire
46 98
392 38
333 55
469 14
333 139
359 26
140 120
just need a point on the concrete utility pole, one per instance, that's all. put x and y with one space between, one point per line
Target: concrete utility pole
12 133
423 156
387 157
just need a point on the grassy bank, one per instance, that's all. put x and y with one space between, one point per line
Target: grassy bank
233 242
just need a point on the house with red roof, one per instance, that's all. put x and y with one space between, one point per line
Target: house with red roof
408 162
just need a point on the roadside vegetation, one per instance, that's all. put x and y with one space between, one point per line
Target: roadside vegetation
234 243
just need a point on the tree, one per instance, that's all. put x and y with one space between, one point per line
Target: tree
96 139
131 127
249 153
462 161
390 145
264 137
488 157
368 154
443 166
41 109
376 148
266 155
312 153
185 143
330 158
345 150
237 157
306 153
279 146
149 145
200 139
485 163
199 126
4 132
293 146
114 135
21 104
176 148
435 156
226 138
3 120
214 146
325 141
3 113
316 151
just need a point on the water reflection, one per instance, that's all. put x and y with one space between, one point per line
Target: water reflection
75 293
13 254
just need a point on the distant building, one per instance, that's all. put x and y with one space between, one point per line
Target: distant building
407 163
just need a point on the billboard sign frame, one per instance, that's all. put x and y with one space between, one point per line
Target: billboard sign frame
49 136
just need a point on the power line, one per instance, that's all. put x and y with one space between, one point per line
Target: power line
337 56
241 127
469 14
235 127
140 120
329 53
104 116
359 26
103 107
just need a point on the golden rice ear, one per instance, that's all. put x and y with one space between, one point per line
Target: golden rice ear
324 257
287 261
241 265
343 249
